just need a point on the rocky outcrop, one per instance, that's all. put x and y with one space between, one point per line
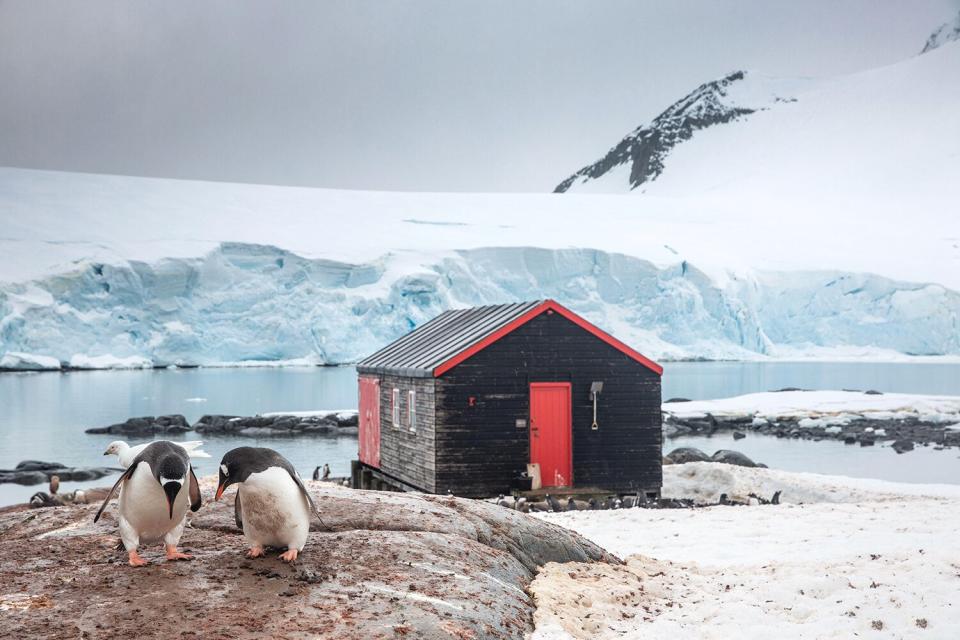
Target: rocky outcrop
279 425
948 32
865 431
391 565
682 455
644 151
31 472
146 426
268 425
727 456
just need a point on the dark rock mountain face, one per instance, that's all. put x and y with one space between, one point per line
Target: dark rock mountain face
647 147
948 32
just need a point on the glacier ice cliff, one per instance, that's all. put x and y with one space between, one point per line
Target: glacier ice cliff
247 303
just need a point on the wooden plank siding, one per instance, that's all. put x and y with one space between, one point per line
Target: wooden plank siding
479 448
406 455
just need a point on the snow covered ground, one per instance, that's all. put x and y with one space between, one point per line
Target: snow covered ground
824 406
841 558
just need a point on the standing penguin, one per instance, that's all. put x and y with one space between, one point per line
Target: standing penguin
272 506
153 505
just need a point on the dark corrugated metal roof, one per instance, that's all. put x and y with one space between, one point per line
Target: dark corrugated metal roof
428 346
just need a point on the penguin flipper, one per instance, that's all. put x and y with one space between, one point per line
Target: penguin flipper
125 476
238 511
306 494
194 491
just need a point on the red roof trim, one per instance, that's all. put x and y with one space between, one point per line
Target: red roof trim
547 305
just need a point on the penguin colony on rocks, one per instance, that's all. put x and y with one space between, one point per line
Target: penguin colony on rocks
272 505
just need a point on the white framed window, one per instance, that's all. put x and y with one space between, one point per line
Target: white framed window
395 409
412 410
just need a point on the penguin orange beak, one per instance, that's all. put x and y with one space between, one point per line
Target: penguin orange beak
220 489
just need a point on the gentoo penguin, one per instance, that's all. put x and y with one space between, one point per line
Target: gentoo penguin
127 454
326 471
153 504
316 473
272 506
571 504
554 504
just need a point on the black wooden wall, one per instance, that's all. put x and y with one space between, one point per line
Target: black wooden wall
480 448
406 454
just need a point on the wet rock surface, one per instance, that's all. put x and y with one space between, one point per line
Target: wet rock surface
855 430
682 455
146 425
336 423
390 565
31 472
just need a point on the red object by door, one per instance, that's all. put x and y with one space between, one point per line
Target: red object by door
370 421
551 432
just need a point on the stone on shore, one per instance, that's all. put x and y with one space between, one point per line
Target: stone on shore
279 425
682 455
146 426
727 456
394 565
31 472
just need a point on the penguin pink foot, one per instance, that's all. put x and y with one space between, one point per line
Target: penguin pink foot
289 555
173 554
135 560
256 552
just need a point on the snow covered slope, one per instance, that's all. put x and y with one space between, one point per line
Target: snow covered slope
801 218
643 154
886 132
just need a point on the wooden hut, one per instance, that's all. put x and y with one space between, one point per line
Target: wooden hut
465 402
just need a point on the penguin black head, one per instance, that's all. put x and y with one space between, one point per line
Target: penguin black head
237 465
171 472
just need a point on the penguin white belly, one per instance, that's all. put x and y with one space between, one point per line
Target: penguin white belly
143 504
275 511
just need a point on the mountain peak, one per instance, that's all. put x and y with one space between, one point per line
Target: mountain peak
646 148
948 31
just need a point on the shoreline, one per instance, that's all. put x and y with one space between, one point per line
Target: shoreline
303 363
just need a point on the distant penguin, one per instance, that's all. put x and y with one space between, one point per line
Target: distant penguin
153 503
316 473
554 504
503 502
617 503
272 505
522 506
776 498
593 504
571 504
326 472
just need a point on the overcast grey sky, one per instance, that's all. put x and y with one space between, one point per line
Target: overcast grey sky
408 95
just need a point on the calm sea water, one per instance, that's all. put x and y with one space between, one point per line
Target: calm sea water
43 415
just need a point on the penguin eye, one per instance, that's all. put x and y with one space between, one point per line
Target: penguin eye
224 470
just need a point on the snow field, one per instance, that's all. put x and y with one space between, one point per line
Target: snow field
873 559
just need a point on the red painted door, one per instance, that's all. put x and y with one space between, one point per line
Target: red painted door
370 421
550 432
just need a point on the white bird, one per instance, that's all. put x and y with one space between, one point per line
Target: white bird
153 503
127 454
